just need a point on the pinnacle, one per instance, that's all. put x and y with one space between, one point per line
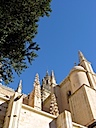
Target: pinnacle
53 81
52 73
54 106
81 56
36 81
80 53
19 88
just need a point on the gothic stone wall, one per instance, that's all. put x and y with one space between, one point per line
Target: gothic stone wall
31 118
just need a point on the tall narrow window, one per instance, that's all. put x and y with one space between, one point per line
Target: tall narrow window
46 81
68 95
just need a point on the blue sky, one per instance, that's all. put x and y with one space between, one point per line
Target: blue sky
70 27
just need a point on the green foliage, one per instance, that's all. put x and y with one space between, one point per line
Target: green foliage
18 27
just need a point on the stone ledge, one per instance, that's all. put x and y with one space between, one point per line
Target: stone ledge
78 125
4 98
38 112
6 87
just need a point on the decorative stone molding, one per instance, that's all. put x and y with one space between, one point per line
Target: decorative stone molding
35 95
54 106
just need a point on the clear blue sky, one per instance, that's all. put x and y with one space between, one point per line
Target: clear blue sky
70 27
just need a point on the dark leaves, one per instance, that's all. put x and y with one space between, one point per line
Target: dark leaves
18 27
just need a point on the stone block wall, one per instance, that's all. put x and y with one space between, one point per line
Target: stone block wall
31 118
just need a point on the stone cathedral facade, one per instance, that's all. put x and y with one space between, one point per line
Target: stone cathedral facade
70 104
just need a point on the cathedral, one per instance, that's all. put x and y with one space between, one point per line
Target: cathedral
70 104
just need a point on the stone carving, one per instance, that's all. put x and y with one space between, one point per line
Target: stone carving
35 95
54 106
37 89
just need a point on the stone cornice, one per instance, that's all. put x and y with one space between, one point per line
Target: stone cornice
38 112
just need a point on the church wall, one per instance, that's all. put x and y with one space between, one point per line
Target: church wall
46 104
80 105
65 88
75 125
91 94
64 120
94 77
31 118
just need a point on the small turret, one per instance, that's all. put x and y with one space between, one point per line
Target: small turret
78 77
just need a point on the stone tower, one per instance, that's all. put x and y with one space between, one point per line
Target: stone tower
47 82
82 102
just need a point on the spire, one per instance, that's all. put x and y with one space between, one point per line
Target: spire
36 81
19 88
37 86
81 56
35 95
54 106
53 81
52 73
